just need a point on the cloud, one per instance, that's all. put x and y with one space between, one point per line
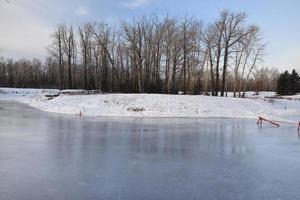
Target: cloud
81 11
27 25
25 34
133 4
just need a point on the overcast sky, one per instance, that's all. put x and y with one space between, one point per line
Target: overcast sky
27 24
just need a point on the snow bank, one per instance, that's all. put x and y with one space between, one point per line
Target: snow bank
151 105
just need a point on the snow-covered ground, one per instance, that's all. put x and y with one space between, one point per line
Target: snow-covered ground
154 105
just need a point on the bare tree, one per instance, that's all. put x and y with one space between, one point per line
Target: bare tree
69 48
234 31
85 44
212 38
56 50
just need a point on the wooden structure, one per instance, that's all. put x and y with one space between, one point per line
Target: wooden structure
261 119
276 123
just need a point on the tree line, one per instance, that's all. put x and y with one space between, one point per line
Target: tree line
151 55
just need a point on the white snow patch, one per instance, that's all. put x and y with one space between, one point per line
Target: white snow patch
153 105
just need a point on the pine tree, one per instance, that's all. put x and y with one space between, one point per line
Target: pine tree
294 82
284 84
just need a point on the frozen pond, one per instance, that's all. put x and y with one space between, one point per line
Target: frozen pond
46 156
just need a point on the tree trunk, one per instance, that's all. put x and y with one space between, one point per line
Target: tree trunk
224 70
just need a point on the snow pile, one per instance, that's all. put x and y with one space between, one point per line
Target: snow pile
151 105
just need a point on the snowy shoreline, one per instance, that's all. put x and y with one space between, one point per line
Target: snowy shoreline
154 105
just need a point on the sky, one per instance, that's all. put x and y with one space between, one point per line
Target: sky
26 25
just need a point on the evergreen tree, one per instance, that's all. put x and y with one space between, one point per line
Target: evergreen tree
284 84
294 82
